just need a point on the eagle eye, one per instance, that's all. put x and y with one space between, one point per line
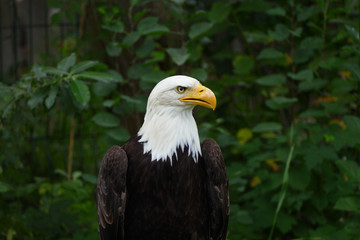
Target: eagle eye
181 89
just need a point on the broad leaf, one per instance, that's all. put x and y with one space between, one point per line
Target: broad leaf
146 48
306 74
98 76
355 70
278 103
352 123
313 85
82 66
115 26
270 53
131 38
50 100
351 204
105 119
198 29
178 55
277 11
267 127
271 80
243 64
103 89
37 97
150 25
113 49
200 74
80 91
119 134
350 168
219 12
54 71
67 62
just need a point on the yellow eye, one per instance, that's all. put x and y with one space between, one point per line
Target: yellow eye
180 89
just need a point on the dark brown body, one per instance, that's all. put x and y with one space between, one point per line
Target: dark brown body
157 200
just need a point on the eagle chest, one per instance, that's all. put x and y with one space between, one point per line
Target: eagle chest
164 196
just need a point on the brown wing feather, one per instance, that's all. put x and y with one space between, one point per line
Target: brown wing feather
111 194
218 189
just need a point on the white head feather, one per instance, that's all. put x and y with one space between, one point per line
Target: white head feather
169 123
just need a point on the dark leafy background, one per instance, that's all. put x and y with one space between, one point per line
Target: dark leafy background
286 75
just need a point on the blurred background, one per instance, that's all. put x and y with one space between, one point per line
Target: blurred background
74 80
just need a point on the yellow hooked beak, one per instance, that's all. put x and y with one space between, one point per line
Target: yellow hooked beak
200 95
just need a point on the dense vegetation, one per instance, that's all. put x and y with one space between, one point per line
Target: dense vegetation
287 79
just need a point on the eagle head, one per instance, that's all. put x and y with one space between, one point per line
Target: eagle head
169 123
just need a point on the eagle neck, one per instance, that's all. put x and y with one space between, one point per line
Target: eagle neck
167 129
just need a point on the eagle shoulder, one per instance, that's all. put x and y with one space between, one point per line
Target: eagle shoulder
111 193
217 188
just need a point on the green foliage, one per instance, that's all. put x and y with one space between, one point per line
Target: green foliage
271 65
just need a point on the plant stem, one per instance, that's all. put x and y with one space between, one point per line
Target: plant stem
284 183
71 148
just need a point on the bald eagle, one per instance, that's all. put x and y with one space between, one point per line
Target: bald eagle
162 184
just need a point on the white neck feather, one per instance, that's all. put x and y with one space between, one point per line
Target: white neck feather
167 128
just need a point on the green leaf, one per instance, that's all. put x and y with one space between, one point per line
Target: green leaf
254 6
98 76
146 48
154 76
278 103
199 29
131 38
243 64
80 91
269 53
281 32
116 77
330 63
306 74
149 25
267 127
89 178
353 32
302 55
103 89
219 12
277 11
271 80
314 113
54 71
351 204
119 134
115 26
311 86
299 178
50 100
37 97
150 79
354 69
4 187
350 168
67 62
352 123
311 43
105 119
82 66
178 55
109 103
113 49
200 74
